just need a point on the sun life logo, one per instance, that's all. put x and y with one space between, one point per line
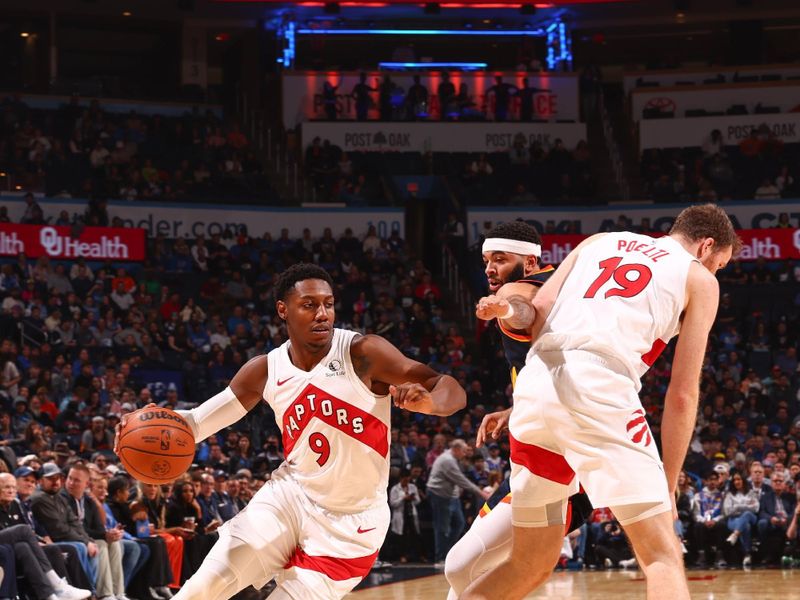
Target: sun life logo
335 368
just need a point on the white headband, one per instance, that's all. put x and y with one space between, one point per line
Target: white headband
514 246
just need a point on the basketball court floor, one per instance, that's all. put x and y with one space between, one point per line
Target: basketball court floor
594 585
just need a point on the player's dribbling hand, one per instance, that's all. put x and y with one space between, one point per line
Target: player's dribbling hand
493 424
491 307
122 421
411 396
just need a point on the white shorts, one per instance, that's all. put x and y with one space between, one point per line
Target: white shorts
576 413
312 552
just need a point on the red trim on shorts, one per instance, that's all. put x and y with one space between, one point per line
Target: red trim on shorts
541 462
337 569
655 351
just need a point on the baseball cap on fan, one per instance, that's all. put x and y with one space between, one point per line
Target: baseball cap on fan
50 470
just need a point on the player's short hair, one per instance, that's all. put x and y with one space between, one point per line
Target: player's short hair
707 221
517 230
299 272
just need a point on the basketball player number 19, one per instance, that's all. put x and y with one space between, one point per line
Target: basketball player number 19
629 287
319 444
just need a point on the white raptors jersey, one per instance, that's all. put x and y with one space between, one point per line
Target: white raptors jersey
622 299
335 430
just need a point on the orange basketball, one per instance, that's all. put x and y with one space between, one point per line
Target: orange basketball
156 445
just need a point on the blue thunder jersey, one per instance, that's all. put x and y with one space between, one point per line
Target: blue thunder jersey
516 345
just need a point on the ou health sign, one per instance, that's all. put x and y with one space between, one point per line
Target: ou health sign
91 243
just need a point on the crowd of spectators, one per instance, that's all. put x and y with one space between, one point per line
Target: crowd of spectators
196 310
337 178
387 100
531 173
761 166
82 150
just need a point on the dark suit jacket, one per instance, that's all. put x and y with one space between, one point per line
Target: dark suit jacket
93 521
767 508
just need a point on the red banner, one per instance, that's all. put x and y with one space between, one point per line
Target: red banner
91 243
770 244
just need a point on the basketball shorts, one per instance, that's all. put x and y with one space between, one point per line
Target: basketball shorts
311 552
577 418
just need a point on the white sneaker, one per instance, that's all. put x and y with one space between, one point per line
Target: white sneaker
608 564
732 538
747 562
121 597
65 591
628 564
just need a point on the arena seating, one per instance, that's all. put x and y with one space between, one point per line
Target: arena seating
86 151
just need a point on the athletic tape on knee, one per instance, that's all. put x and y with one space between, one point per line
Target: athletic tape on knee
631 513
216 413
548 515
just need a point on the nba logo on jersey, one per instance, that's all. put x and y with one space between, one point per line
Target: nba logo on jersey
638 430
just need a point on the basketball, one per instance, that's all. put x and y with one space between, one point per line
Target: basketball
156 445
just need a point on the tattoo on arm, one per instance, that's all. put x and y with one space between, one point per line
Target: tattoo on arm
523 312
361 364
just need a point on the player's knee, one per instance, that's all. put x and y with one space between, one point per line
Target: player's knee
458 565
211 582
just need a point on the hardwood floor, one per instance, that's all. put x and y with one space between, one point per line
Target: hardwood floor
615 585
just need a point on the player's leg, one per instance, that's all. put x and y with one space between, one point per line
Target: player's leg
338 552
608 442
252 546
541 482
485 545
650 530
230 566
536 541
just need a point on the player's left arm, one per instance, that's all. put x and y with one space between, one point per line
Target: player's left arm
683 392
512 304
412 385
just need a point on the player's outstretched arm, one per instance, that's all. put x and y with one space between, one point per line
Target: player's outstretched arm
412 385
683 392
512 304
232 403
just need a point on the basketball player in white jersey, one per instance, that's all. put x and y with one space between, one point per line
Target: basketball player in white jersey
598 324
511 256
319 522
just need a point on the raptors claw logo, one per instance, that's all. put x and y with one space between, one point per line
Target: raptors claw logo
638 430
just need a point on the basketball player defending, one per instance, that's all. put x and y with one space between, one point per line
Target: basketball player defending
511 254
598 324
317 525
